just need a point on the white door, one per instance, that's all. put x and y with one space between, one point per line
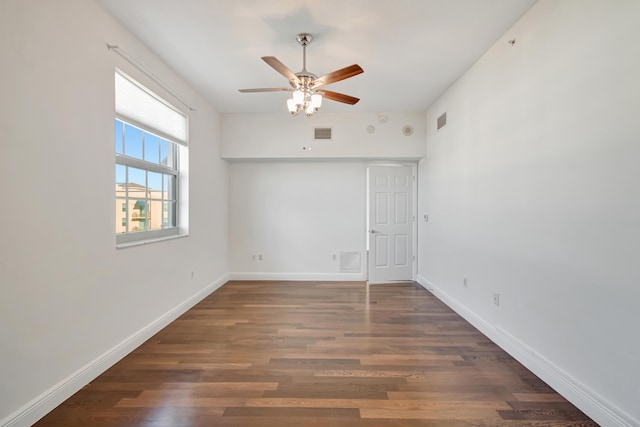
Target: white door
390 223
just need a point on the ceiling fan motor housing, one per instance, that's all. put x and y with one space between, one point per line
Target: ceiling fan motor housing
305 80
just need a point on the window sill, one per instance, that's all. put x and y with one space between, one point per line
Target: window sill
149 241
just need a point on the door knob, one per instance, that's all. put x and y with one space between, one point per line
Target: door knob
374 231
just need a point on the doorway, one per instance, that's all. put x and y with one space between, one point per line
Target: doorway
391 222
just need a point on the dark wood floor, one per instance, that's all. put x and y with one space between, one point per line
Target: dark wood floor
317 354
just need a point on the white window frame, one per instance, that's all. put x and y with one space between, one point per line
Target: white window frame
145 119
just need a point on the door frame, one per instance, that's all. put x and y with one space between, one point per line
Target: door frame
414 213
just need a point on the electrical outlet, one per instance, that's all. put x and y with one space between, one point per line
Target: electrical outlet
253 257
259 257
425 217
464 282
496 298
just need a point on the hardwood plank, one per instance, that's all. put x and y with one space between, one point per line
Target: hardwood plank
543 411
334 354
539 397
292 412
463 413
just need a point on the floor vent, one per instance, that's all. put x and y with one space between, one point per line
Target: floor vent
322 133
442 120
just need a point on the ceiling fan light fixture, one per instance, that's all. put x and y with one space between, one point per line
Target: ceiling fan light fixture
309 111
316 101
304 100
291 105
298 97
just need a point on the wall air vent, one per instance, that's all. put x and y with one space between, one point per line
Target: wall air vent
442 120
322 133
350 262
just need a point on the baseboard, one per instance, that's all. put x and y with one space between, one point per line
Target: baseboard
585 399
47 401
302 277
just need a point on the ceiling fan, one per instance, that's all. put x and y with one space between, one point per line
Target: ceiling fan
306 86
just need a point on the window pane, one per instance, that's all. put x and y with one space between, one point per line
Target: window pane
169 188
121 193
137 183
118 140
121 216
164 153
151 148
168 152
154 214
132 141
165 187
138 215
168 214
154 185
121 180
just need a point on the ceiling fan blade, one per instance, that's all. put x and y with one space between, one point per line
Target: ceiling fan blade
340 97
266 89
336 76
280 67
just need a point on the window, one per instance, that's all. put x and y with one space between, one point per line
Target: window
146 179
150 139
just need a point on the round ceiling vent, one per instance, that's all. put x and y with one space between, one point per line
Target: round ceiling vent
407 130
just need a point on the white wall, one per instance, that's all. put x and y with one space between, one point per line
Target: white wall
67 296
296 214
280 136
532 192
298 202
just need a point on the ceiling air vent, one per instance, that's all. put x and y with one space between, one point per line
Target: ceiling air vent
322 133
442 120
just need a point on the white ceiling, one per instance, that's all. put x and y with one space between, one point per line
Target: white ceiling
411 50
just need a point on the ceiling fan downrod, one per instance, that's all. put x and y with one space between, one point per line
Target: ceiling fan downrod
304 39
